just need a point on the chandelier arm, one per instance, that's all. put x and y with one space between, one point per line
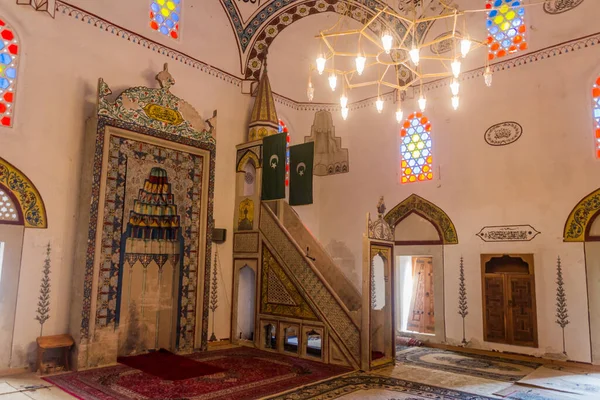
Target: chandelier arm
438 40
346 54
335 34
362 84
374 41
366 26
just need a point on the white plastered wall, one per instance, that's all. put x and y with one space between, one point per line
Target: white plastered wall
536 180
60 63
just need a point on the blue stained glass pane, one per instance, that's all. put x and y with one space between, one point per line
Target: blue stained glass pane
415 122
493 13
5 58
1 44
425 152
517 22
494 29
500 36
424 136
497 3
175 17
11 73
417 170
521 11
597 113
488 23
411 131
4 83
411 163
176 1
403 148
511 32
155 7
428 143
420 129
407 156
506 43
170 23
159 18
406 140
516 4
287 153
164 30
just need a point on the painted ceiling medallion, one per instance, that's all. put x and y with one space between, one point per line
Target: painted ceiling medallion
441 44
560 6
503 133
513 233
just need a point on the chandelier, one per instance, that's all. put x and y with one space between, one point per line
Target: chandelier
398 55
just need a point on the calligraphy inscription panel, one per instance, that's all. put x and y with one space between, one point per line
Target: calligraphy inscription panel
515 233
503 133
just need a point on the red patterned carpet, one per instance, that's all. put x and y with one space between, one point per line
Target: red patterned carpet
249 374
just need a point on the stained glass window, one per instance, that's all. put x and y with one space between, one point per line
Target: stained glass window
596 105
506 27
416 164
9 50
283 129
165 16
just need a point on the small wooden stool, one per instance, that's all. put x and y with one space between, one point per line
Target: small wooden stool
44 343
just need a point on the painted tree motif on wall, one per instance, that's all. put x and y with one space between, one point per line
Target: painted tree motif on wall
9 51
562 313
506 27
462 298
43 305
165 16
596 107
415 150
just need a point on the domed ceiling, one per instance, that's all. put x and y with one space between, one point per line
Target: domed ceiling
286 30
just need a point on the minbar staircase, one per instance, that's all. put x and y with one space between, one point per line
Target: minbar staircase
335 299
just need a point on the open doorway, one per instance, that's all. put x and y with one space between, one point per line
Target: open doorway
416 289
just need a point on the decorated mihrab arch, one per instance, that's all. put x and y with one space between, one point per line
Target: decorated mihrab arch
581 218
426 209
142 278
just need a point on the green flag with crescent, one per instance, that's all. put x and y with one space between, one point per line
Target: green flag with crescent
301 173
273 171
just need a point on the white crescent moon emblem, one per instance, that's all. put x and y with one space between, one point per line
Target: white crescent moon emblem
301 172
274 161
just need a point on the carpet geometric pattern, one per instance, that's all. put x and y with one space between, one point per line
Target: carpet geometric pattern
495 368
249 374
348 384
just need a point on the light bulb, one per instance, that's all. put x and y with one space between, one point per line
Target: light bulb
456 68
360 63
344 101
414 55
399 115
455 102
345 113
454 87
422 103
487 76
379 105
333 81
387 41
465 47
310 91
321 64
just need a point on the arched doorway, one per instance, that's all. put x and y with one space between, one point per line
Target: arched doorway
421 230
583 226
21 207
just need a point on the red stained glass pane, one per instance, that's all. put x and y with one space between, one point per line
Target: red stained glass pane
8 97
3 108
7 35
13 49
2 23
9 72
415 149
5 121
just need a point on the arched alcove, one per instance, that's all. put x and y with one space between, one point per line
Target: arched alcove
21 206
246 303
421 230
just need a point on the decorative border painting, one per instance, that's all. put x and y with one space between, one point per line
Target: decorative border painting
427 210
580 218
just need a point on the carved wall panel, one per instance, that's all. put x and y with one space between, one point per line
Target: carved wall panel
330 157
245 242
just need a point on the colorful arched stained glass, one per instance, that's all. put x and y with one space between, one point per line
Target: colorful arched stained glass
283 129
9 52
506 27
417 162
165 16
596 108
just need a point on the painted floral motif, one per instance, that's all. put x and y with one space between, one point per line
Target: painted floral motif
581 216
29 199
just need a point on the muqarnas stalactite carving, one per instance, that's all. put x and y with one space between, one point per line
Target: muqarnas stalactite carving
330 158
43 310
462 298
562 315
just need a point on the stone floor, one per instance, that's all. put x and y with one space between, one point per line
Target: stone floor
31 386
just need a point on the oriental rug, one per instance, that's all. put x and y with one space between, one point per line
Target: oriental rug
168 366
518 392
363 386
560 379
248 374
495 368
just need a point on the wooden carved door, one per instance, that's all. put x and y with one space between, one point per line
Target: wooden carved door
509 300
421 316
